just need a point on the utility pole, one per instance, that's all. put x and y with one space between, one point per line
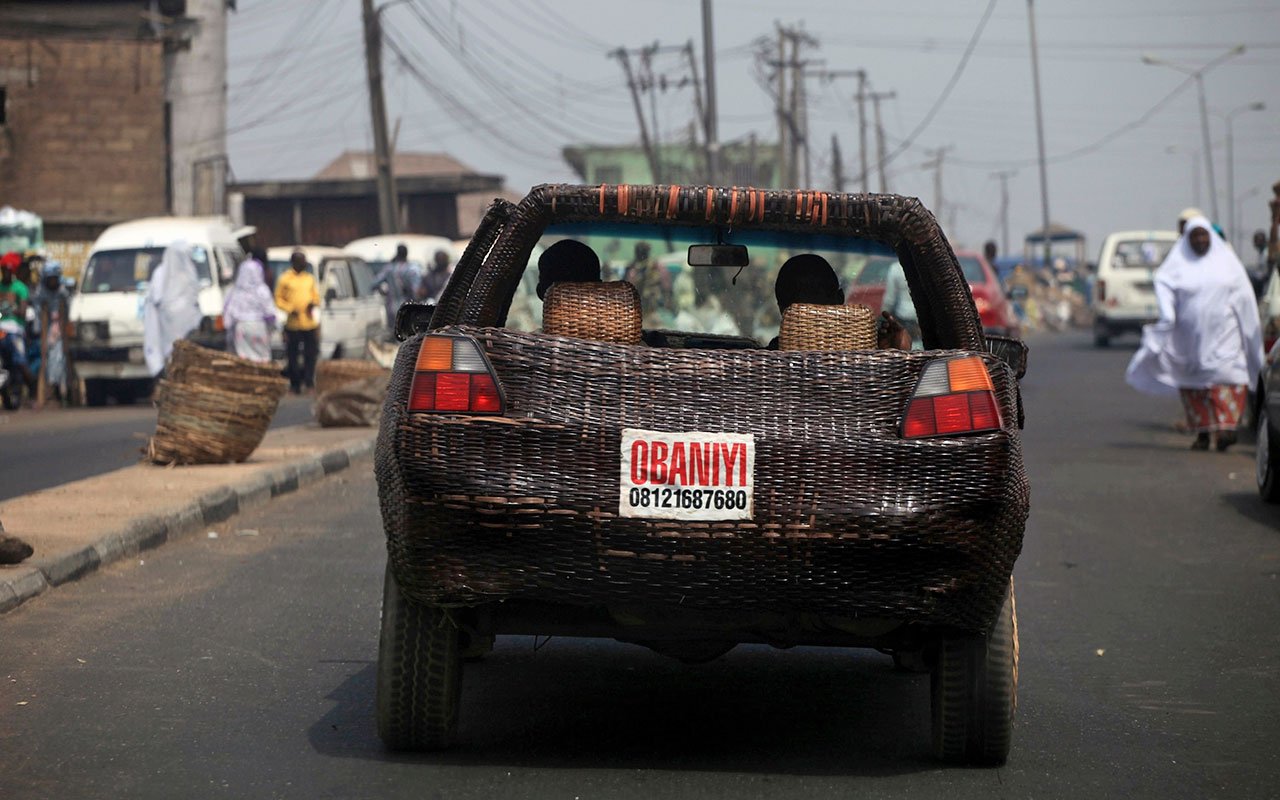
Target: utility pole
876 97
623 58
1044 172
784 122
651 85
711 121
388 203
793 126
837 165
861 97
703 119
1004 177
936 164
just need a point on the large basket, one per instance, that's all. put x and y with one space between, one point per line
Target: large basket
191 363
338 372
200 424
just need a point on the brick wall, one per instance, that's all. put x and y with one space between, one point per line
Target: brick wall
83 139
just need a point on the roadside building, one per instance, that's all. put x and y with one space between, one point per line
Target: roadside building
744 163
438 194
111 110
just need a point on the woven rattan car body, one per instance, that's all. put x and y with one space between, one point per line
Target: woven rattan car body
690 491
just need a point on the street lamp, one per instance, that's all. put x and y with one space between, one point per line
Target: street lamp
1233 234
1198 75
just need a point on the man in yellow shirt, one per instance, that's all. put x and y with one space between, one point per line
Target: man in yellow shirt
299 297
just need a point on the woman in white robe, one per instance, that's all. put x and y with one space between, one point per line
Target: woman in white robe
171 309
1207 344
249 315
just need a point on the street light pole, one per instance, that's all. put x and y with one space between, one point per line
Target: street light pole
1198 76
1233 233
1044 180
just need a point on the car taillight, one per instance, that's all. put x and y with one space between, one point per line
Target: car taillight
1102 291
982 303
953 395
453 376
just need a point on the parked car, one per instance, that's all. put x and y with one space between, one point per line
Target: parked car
352 312
1269 311
691 490
106 308
997 313
1124 294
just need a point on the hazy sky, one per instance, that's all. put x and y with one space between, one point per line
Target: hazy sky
503 85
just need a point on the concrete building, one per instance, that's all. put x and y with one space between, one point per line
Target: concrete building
112 110
746 163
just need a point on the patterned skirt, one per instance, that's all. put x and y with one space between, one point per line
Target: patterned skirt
1217 408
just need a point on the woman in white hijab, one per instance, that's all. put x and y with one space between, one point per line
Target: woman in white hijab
249 314
1207 344
172 308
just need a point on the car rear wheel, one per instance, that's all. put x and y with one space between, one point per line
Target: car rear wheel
975 692
1268 457
419 673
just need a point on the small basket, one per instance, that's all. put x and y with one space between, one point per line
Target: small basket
200 424
822 327
338 372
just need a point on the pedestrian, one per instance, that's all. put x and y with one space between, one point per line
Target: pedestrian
171 308
398 281
249 314
50 305
299 297
1206 346
897 301
652 281
437 275
12 285
1258 274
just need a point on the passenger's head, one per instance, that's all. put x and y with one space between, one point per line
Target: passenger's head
807 278
568 260
402 253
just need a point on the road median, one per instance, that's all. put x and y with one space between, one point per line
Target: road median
78 527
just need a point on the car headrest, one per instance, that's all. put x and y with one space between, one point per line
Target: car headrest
820 327
602 312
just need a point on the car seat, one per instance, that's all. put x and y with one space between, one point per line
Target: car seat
806 326
602 312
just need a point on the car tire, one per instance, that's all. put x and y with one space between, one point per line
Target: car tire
975 692
1101 337
419 673
95 392
1268 456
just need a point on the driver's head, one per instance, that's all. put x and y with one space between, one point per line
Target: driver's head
807 278
568 260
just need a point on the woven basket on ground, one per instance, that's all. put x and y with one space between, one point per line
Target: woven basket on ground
334 373
601 312
824 327
200 424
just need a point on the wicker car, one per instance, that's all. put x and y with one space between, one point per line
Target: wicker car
626 468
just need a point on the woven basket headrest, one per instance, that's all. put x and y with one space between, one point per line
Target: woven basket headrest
602 312
815 327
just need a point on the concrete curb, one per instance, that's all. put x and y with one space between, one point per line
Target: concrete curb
149 531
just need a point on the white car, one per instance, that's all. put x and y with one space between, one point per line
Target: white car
351 313
1124 295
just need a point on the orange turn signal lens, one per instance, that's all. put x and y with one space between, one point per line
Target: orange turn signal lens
968 375
436 354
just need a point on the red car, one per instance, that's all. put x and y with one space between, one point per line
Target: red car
998 316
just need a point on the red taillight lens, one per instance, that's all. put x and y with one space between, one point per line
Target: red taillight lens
1102 291
453 376
952 396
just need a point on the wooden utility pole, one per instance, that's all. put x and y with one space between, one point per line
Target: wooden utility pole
837 165
784 121
707 150
1004 177
625 60
876 97
861 97
388 203
711 121
936 164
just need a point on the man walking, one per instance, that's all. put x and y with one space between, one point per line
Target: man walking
298 296
398 281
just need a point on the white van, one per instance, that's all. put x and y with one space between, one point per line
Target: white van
106 308
351 312
1124 294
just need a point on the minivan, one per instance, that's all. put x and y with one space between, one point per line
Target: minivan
106 308
1124 294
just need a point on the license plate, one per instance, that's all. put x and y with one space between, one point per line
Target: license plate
688 475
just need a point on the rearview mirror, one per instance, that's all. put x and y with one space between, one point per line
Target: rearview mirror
718 255
414 318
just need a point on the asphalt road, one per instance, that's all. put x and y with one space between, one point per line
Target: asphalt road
39 449
242 666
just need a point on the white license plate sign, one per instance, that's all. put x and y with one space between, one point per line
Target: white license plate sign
688 475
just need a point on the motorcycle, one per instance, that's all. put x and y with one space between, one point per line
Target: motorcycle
12 384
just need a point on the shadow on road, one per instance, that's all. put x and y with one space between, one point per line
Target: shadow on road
1250 505
582 704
